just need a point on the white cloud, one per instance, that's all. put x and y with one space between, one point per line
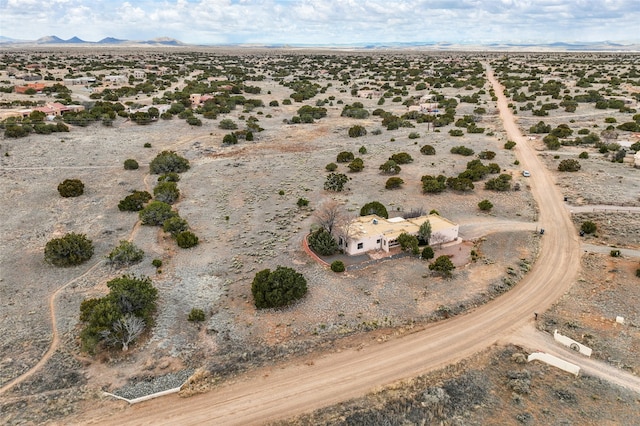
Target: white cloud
324 21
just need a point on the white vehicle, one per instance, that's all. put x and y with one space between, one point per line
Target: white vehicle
526 173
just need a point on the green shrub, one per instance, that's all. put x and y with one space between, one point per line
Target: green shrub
569 165
409 242
227 124
362 150
302 202
428 150
393 183
509 145
147 145
345 157
401 158
357 131
337 266
357 165
427 253
130 164
462 150
169 177
414 135
135 201
322 242
69 250
485 205
175 225
584 155
230 139
167 192
157 263
155 213
638 273
588 227
274 289
168 161
196 315
126 253
186 239
335 182
71 188
374 207
331 167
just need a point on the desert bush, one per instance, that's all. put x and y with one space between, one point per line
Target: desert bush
175 225
414 135
357 131
357 165
227 124
487 155
442 265
126 253
167 192
393 183
155 213
588 227
135 201
69 250
157 263
118 318
131 164
428 150
427 253
401 158
390 167
331 167
71 188
186 239
569 165
230 139
302 202
485 205
362 150
462 150
274 289
322 242
168 161
345 157
335 182
501 183
196 315
409 242
583 155
509 145
456 132
169 177
337 266
374 207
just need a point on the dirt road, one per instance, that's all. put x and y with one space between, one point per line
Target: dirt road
283 391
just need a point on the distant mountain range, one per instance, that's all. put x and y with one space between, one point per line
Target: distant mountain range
605 46
160 41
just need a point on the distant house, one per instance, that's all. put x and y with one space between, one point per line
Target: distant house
139 74
372 232
38 87
55 109
197 99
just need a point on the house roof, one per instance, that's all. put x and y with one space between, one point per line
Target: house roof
373 224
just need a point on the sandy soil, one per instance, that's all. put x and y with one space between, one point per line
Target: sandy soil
263 229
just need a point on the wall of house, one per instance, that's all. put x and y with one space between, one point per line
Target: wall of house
368 243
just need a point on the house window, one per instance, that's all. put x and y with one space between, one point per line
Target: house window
340 241
378 241
360 245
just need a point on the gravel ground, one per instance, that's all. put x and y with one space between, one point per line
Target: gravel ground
144 387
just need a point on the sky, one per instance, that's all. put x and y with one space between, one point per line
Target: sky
326 22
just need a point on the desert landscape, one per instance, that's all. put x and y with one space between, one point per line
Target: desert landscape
242 200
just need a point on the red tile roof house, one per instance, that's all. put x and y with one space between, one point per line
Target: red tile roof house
55 109
38 87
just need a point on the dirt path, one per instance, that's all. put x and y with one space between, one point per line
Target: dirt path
282 391
55 337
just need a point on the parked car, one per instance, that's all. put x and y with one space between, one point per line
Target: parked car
526 173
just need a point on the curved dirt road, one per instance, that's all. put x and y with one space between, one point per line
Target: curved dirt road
283 391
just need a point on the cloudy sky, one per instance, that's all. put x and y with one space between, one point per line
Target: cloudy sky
325 21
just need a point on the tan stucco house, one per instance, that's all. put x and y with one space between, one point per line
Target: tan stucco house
372 232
